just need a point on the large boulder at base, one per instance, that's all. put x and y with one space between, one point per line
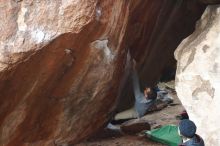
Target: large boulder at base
135 126
198 75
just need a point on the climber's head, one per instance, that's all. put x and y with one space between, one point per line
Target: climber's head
149 93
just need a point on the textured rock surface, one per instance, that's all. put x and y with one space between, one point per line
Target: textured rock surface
59 68
61 62
198 75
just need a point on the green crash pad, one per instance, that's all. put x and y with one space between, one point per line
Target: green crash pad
167 135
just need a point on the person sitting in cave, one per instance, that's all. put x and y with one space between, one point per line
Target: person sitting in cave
187 131
143 100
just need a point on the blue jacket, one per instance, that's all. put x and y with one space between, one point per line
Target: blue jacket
195 141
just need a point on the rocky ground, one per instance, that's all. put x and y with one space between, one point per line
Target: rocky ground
158 118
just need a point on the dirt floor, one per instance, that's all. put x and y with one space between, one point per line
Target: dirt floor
157 118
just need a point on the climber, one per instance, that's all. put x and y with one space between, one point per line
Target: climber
143 100
187 131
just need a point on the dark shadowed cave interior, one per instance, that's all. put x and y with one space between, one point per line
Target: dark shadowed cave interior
159 34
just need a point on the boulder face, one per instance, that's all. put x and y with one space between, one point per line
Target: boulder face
198 75
62 63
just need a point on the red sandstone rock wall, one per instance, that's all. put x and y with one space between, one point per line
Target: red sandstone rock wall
61 62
